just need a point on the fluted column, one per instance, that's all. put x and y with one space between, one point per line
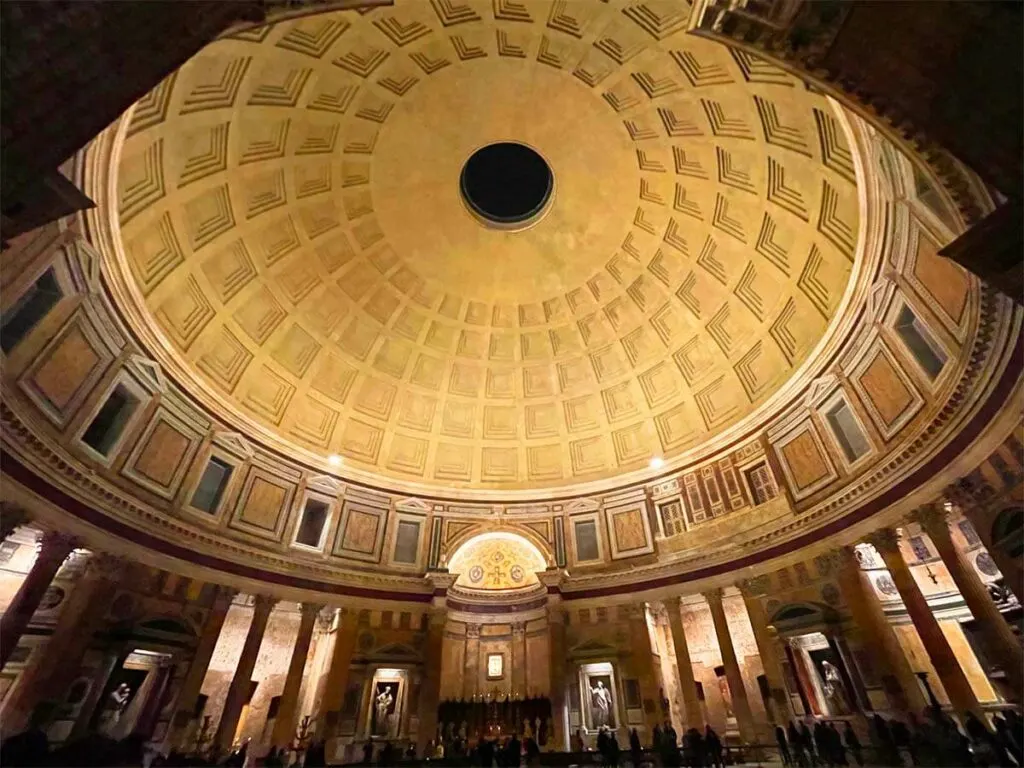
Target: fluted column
430 690
240 682
643 665
329 716
961 696
780 706
192 685
733 674
519 659
54 549
684 666
875 633
284 725
559 738
997 636
471 673
54 667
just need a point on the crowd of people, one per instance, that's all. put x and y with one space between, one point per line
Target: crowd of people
932 740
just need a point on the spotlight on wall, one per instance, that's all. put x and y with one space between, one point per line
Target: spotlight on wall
657 462
334 460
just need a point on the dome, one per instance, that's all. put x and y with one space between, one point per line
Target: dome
295 240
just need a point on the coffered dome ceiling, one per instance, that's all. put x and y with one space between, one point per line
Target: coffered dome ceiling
291 218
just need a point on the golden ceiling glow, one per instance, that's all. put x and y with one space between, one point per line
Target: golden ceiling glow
495 561
290 213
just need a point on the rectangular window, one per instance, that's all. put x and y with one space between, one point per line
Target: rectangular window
26 313
586 541
919 342
407 538
211 486
314 517
762 484
110 420
847 431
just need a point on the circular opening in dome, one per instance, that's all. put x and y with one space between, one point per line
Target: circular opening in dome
506 185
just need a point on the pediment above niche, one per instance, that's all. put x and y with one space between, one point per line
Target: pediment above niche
594 648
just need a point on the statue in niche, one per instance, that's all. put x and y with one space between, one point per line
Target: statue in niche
114 708
835 692
601 704
723 688
384 707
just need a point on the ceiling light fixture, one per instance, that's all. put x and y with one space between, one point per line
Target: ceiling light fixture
657 462
334 460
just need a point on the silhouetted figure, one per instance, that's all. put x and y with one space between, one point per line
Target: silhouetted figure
30 747
273 759
713 745
316 755
635 750
853 744
780 739
513 752
368 753
695 748
807 741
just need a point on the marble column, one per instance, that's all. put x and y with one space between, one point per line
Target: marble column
53 668
958 688
780 708
471 672
329 717
642 656
54 549
733 674
875 634
235 701
518 660
998 638
191 686
430 689
684 666
284 725
558 739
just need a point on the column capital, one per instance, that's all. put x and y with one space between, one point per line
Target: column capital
264 604
755 586
224 597
713 596
884 540
518 629
473 631
56 541
673 602
311 610
933 519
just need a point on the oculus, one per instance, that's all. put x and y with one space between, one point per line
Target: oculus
506 185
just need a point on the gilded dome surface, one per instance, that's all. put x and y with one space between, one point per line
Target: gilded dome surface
291 219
